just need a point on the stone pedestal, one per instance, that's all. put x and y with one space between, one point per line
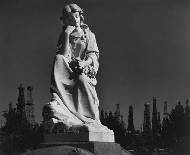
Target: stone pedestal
84 140
79 137
79 148
81 143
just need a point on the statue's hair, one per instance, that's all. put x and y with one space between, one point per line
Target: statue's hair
71 8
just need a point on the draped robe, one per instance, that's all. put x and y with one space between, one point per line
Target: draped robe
75 101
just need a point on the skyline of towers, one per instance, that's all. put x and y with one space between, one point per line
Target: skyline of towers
24 106
155 124
153 119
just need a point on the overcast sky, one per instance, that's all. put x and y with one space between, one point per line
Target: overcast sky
144 45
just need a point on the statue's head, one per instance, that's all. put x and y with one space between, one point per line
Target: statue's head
72 14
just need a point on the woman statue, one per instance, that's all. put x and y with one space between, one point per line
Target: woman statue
74 99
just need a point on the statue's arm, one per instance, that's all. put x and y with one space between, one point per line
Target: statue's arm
63 43
92 51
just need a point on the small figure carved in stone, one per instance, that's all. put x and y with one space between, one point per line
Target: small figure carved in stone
74 98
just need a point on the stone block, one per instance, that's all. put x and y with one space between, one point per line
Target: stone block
79 148
79 137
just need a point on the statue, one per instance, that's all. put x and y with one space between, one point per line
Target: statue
74 104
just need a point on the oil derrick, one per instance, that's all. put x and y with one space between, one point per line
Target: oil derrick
21 122
165 108
146 123
117 113
123 126
159 123
30 107
187 107
154 117
21 102
130 127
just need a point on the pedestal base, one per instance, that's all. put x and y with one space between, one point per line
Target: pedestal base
79 137
79 148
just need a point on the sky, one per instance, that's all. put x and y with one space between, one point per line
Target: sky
144 51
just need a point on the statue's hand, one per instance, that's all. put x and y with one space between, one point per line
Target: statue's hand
69 29
85 63
82 64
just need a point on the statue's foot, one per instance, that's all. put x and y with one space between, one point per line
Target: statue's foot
97 127
54 125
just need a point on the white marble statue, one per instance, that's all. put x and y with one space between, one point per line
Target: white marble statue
74 98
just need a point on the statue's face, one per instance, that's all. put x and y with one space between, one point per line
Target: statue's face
74 19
